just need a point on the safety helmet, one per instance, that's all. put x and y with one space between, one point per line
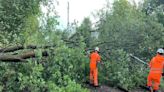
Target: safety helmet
97 49
160 50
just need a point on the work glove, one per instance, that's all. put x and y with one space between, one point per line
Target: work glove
162 74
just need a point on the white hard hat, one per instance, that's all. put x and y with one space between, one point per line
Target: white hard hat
160 50
97 49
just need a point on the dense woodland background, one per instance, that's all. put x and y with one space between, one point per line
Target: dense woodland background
37 56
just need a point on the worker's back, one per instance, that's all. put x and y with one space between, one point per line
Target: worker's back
157 64
94 58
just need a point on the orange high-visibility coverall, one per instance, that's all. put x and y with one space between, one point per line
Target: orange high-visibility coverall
94 59
156 68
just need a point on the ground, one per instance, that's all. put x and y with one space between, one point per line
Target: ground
105 88
108 88
111 89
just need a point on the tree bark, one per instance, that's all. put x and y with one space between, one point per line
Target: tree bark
20 47
20 58
11 58
11 49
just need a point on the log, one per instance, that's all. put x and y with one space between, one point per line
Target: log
20 47
20 58
11 58
11 49
31 54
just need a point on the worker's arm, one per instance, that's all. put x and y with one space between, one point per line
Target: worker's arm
99 60
163 70
150 64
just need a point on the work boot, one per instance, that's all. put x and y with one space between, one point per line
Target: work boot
91 84
155 90
96 86
150 88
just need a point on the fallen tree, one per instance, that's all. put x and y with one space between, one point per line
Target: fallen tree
21 47
20 58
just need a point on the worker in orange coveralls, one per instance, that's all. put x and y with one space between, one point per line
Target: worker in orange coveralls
94 60
156 69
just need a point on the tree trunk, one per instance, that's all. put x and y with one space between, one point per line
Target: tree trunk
19 47
20 58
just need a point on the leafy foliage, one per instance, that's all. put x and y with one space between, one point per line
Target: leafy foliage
154 8
14 15
123 72
124 30
121 30
56 73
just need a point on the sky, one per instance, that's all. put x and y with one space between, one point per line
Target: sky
79 9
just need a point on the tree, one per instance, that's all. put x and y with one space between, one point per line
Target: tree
26 24
123 30
154 8
14 15
85 30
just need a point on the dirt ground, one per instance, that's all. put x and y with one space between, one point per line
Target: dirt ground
105 88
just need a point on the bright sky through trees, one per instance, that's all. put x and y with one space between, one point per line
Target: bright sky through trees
79 9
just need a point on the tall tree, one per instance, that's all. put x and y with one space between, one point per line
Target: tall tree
15 12
126 27
85 30
154 8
